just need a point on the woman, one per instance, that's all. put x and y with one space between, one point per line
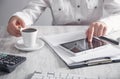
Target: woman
102 16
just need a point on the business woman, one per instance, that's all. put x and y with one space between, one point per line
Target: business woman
102 16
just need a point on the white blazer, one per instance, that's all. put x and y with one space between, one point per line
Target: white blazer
76 12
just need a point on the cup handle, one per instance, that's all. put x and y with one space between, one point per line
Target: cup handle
20 28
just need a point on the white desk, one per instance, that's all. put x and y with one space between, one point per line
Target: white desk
46 60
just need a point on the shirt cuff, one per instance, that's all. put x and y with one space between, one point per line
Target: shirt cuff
24 17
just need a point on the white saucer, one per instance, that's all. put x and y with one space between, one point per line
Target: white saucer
20 45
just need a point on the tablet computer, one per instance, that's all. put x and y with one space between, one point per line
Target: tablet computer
78 46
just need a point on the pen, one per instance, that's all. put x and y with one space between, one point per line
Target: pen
96 61
109 40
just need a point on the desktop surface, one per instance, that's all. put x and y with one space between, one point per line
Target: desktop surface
46 60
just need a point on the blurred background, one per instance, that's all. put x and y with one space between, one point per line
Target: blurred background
9 7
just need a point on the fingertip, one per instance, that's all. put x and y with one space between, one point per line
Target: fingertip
88 36
89 39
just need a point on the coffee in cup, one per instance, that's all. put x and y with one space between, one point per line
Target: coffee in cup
29 36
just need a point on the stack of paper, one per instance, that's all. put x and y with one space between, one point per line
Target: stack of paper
106 51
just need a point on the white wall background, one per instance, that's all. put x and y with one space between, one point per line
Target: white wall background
8 7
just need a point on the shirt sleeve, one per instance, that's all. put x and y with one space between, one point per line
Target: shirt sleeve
112 7
32 11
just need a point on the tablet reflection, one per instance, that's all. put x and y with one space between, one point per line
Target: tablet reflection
83 44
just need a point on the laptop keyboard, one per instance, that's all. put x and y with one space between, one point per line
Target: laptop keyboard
53 75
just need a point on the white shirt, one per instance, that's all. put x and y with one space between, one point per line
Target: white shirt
76 12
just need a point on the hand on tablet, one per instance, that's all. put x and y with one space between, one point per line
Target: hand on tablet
96 29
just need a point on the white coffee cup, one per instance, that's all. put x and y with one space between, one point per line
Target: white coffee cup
29 36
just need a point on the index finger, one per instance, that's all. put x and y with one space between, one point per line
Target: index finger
90 33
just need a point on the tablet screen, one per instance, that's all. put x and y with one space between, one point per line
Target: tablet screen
82 45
